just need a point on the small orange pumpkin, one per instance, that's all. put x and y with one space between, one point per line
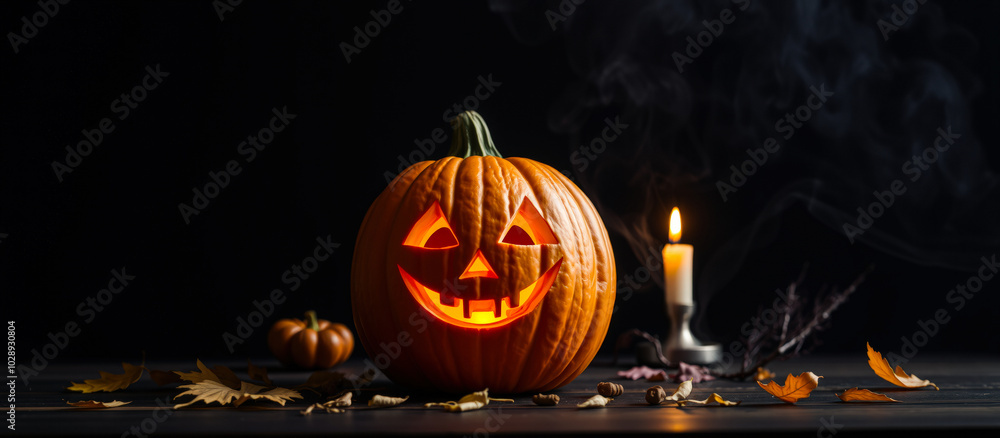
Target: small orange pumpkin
311 343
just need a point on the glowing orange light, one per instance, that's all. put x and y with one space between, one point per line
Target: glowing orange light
481 313
675 225
478 267
431 231
528 227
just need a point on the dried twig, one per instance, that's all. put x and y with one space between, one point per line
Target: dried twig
625 341
787 336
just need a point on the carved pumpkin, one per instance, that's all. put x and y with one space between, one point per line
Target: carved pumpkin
475 271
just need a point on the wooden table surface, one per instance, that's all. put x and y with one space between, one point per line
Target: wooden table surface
969 400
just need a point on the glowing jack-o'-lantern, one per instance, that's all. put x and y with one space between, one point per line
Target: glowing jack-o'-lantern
476 271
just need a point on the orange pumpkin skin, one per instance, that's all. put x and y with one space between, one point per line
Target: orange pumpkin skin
479 195
294 342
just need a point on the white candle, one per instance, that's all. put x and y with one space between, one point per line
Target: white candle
678 260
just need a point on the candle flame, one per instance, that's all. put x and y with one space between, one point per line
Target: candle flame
675 225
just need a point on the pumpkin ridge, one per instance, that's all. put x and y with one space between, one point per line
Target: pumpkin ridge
532 333
426 178
452 169
527 171
586 208
583 247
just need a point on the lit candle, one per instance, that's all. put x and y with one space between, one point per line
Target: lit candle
678 259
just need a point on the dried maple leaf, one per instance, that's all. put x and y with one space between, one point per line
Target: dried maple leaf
899 377
687 371
855 394
218 374
110 382
203 373
277 395
714 398
213 391
93 404
470 402
795 388
643 372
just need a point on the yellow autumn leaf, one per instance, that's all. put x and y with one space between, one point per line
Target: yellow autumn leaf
897 377
714 398
218 374
855 394
94 404
203 373
469 402
795 388
212 391
110 382
277 395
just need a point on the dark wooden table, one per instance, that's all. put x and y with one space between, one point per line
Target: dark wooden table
969 400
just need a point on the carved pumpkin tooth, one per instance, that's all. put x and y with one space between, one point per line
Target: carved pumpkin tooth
496 307
465 308
447 299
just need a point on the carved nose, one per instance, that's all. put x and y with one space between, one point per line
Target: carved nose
478 267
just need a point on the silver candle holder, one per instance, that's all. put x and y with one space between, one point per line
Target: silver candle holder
682 346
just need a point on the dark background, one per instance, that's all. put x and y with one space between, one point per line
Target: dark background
119 208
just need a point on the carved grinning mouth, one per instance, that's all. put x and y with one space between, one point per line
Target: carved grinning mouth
482 313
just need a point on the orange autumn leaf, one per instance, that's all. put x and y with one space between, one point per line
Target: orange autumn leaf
763 374
110 382
795 388
855 394
94 404
897 377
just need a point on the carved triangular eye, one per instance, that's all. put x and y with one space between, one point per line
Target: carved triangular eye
528 227
431 231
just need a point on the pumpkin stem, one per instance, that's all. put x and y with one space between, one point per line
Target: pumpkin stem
312 323
471 137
